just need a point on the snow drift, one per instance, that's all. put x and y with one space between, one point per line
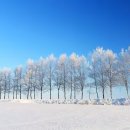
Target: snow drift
122 101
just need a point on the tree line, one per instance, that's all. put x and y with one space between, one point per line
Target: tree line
68 76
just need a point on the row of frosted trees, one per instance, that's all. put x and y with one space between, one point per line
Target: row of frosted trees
68 76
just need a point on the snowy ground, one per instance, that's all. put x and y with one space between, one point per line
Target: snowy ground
34 116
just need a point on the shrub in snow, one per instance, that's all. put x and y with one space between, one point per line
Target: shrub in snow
83 102
97 102
127 102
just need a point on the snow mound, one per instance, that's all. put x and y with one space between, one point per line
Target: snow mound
122 101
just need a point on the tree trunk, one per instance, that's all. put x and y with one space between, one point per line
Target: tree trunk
8 94
103 93
71 89
71 92
0 92
64 92
58 93
127 90
82 96
16 91
31 94
34 92
13 92
89 95
64 83
20 92
111 92
4 94
28 93
96 89
74 93
5 91
97 92
50 89
41 92
50 84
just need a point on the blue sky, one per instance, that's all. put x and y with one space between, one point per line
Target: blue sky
34 28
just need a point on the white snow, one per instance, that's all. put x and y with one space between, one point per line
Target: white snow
27 115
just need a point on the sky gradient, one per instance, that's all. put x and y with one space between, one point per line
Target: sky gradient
34 28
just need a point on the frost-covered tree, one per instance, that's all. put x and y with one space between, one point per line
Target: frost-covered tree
29 78
124 69
50 72
103 70
57 78
69 75
41 76
63 64
17 82
6 81
93 74
35 80
99 69
82 67
1 86
73 59
111 71
77 74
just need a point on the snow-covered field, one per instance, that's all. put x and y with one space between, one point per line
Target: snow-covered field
34 116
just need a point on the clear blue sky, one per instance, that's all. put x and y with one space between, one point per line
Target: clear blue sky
34 28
